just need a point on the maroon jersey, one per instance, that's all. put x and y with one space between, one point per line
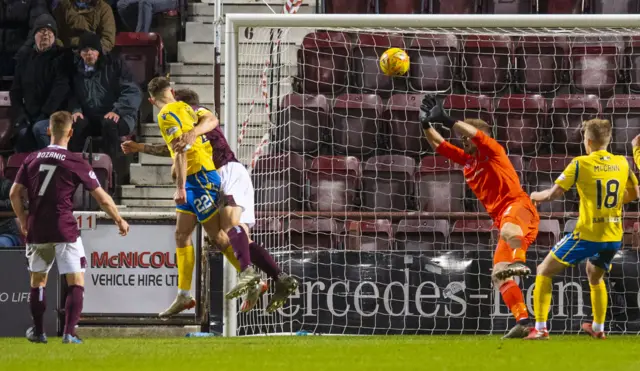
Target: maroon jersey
51 177
222 153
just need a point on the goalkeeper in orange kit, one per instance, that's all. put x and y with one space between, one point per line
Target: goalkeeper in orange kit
491 176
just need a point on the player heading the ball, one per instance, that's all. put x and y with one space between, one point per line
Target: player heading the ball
491 176
49 178
604 182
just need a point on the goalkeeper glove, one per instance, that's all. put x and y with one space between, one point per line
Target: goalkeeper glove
431 110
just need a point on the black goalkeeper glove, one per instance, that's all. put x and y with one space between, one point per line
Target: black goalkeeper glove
431 111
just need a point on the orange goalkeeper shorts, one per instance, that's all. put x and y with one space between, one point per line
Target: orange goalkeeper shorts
523 214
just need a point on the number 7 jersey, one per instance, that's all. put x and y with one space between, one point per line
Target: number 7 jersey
601 180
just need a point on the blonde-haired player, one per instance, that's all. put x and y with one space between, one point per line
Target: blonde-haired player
604 182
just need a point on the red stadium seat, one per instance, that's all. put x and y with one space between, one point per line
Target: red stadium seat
613 6
434 59
142 53
6 124
402 6
355 123
278 181
333 182
540 62
312 234
594 68
628 226
439 185
404 133
387 183
323 62
624 111
519 119
508 6
473 235
568 112
486 63
13 164
269 232
103 167
303 123
632 63
369 235
548 234
455 6
542 174
351 6
468 106
2 166
560 6
414 234
367 50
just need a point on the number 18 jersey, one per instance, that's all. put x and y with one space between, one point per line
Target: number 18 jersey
601 180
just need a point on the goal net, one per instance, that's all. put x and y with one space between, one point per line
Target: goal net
384 235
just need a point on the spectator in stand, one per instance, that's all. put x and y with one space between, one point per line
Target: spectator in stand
40 86
76 17
9 232
16 19
143 11
105 100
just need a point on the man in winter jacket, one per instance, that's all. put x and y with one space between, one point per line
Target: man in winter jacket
105 100
40 86
76 17
9 232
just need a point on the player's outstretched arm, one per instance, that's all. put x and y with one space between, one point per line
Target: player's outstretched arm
631 192
159 149
207 121
17 204
180 165
108 206
547 195
436 141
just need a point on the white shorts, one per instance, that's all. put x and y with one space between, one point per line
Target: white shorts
70 257
236 182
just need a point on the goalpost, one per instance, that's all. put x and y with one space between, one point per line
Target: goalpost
383 235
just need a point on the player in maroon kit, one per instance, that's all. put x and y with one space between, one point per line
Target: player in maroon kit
49 178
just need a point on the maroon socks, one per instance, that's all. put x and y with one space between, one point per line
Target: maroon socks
261 258
73 309
38 305
240 244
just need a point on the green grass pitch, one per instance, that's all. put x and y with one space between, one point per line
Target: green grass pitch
434 353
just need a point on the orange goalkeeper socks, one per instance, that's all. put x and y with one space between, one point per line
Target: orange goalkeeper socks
512 296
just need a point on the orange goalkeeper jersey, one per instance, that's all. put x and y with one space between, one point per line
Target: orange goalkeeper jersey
489 174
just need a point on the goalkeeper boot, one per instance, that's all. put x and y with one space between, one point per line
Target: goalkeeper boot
513 269
35 338
285 287
70 339
519 331
250 299
181 303
588 329
248 278
535 334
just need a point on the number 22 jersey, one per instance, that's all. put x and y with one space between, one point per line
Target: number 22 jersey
51 177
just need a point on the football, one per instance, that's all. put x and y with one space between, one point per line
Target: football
394 62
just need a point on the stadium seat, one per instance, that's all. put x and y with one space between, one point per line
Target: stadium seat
369 235
628 227
365 66
569 226
632 63
278 181
560 6
468 106
624 111
402 6
439 185
518 166
434 59
6 124
508 6
312 234
387 183
518 122
103 167
13 165
403 133
613 6
269 232
355 124
548 234
594 68
351 6
567 115
540 63
142 53
415 234
486 63
303 123
323 62
455 6
542 174
635 244
2 166
473 235
333 182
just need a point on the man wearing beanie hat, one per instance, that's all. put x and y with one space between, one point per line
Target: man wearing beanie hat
40 85
16 20
104 98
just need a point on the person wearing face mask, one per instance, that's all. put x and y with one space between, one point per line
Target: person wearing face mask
75 17
104 100
40 85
